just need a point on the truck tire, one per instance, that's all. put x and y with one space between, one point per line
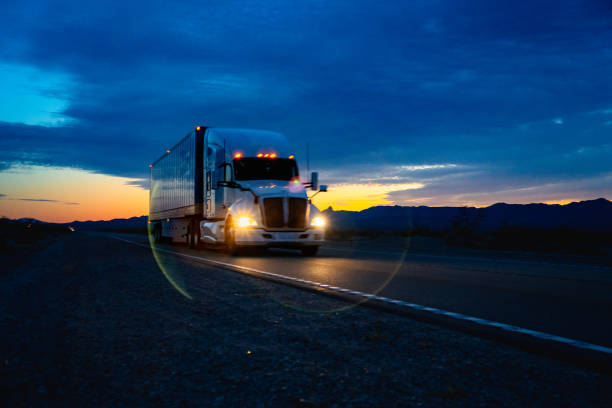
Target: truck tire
230 239
310 250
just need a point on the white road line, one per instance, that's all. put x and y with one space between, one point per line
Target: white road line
459 316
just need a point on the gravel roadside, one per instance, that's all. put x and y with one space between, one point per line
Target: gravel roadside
92 321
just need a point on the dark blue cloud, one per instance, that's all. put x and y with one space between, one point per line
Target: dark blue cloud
506 88
37 199
40 200
44 200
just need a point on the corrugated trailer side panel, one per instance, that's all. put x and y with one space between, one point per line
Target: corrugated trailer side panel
175 180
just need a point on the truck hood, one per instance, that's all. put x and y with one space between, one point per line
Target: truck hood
275 188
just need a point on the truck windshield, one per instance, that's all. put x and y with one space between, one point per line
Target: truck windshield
264 169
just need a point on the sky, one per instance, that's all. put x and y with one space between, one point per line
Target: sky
401 103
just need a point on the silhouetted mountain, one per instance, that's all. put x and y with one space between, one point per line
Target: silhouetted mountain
31 221
588 216
117 224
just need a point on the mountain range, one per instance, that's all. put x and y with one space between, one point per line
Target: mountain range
586 216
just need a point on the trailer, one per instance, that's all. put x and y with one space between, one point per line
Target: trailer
234 188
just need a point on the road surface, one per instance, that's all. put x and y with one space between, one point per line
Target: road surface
567 299
91 320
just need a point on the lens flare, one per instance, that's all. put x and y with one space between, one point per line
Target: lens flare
171 268
295 186
156 250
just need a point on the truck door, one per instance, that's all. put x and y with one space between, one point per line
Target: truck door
214 195
220 192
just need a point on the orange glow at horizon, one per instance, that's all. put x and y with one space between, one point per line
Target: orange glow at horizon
71 194
357 197
564 201
65 194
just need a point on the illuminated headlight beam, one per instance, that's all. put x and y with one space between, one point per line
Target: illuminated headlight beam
245 222
317 222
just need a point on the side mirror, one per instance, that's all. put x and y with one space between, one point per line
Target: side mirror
227 172
322 189
314 180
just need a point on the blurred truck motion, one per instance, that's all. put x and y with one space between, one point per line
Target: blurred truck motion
234 188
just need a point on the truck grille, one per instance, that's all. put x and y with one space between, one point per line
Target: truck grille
297 213
274 213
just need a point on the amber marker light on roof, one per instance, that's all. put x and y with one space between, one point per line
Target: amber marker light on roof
267 155
167 151
259 154
198 128
237 155
272 155
292 157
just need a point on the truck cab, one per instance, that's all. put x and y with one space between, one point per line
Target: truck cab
254 196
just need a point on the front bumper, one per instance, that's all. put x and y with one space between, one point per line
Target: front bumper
281 239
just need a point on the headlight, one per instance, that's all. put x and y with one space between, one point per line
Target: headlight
317 222
244 222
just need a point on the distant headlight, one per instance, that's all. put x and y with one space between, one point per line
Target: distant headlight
244 222
317 222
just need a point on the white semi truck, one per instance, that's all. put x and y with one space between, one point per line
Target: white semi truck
234 188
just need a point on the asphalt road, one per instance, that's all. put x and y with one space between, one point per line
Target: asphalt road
90 320
565 298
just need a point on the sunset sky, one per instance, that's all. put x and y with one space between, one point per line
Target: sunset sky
402 103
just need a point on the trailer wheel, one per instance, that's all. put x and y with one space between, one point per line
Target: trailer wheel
230 239
196 234
157 236
191 238
310 250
